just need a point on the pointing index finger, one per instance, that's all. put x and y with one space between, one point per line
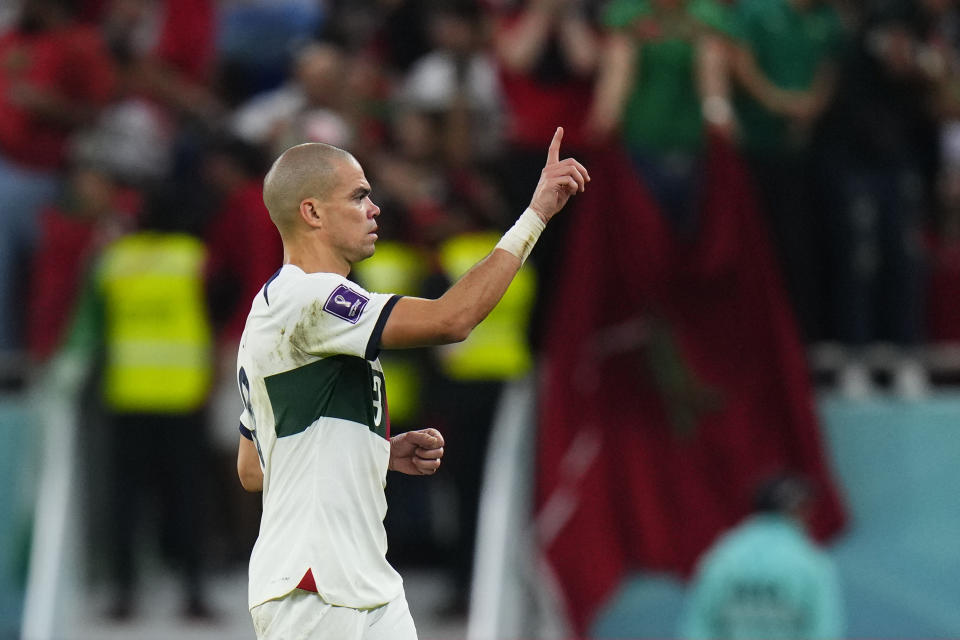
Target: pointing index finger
553 153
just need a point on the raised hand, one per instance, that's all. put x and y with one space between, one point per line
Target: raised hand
559 180
416 453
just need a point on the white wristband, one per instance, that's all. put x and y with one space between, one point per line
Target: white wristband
521 237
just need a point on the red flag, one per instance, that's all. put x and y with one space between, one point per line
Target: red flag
674 381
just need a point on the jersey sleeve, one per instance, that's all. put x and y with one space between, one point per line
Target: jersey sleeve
248 421
246 425
340 317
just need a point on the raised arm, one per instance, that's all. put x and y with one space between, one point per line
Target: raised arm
713 84
617 73
519 45
419 322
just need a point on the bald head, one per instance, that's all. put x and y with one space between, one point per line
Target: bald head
301 172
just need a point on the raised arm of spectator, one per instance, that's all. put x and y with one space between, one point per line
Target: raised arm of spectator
618 61
753 80
713 83
165 83
800 105
450 318
824 86
519 42
579 41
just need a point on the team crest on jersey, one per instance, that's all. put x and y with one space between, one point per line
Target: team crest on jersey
346 303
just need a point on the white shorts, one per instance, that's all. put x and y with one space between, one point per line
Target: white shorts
302 615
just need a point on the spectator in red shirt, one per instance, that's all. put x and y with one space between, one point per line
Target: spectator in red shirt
94 211
54 75
244 248
167 51
546 53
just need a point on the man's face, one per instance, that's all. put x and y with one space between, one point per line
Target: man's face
350 215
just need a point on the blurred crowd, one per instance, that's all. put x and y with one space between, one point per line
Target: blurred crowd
134 135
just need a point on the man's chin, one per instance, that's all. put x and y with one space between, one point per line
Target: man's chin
366 252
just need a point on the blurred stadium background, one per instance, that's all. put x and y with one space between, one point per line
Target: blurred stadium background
763 276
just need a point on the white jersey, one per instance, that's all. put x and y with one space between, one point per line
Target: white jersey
315 402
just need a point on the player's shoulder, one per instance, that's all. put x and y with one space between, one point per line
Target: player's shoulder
291 290
293 284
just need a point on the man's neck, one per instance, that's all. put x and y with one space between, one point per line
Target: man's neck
312 257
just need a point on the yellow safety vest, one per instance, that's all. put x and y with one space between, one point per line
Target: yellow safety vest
497 349
397 268
157 331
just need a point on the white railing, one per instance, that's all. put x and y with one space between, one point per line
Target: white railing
51 577
511 595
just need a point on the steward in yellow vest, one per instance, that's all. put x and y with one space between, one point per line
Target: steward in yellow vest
497 348
157 335
146 310
468 392
399 268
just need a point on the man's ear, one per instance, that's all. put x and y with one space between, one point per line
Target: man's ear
311 213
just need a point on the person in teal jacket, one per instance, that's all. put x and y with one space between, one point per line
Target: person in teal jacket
766 578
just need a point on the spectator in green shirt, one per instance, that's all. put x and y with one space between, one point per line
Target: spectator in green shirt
766 579
785 62
662 82
784 59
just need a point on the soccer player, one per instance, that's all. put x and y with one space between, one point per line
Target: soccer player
316 432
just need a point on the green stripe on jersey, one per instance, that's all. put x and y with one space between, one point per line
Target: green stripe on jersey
344 387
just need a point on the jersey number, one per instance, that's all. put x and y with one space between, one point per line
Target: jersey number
377 398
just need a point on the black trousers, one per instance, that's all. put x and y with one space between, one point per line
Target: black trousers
800 235
162 460
468 409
